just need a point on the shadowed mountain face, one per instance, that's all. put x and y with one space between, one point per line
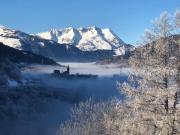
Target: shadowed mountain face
10 74
54 50
25 57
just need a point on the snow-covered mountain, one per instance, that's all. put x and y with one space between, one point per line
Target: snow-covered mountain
87 39
20 40
91 46
26 42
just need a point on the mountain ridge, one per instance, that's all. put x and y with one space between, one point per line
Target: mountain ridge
51 49
86 39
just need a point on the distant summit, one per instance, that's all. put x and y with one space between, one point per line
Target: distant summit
69 44
86 39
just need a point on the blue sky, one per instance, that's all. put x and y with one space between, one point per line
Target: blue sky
127 18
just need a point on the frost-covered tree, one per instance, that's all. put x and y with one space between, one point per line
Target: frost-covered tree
151 104
154 101
91 118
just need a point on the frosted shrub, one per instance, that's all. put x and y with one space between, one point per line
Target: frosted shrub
91 118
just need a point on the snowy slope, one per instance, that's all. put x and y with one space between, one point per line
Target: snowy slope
19 40
87 39
82 44
10 37
26 42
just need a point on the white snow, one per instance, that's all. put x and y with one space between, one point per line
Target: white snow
120 51
86 39
18 39
10 37
15 43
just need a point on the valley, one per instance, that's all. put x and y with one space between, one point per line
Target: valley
76 67
50 99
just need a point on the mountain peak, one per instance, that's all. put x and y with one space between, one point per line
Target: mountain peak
93 27
108 30
86 39
3 28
